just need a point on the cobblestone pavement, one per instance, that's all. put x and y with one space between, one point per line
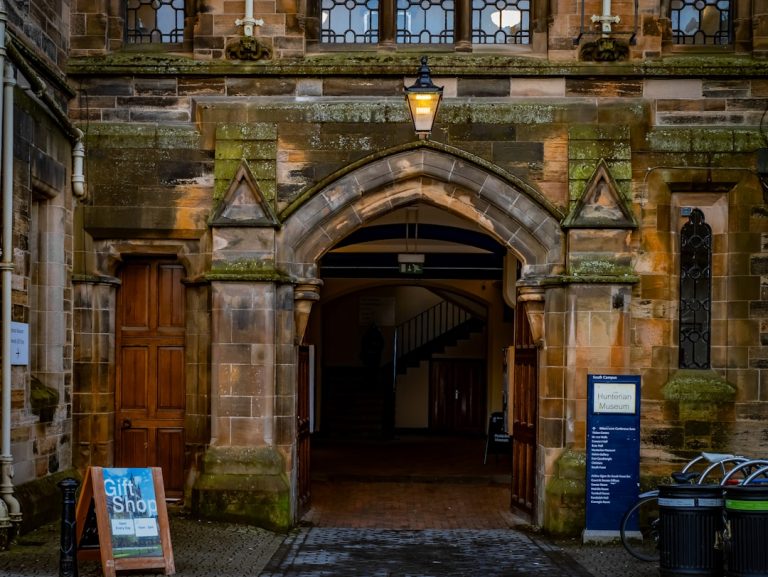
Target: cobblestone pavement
206 549
340 552
200 549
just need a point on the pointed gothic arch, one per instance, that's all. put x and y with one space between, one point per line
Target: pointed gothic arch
511 212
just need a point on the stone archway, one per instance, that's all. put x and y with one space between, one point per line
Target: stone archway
262 287
508 210
512 212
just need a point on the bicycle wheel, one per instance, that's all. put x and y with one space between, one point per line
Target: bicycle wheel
640 529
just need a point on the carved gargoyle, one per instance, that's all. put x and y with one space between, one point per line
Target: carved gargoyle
605 50
247 48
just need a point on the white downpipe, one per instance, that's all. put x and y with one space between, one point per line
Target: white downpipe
5 390
248 22
78 177
606 19
6 269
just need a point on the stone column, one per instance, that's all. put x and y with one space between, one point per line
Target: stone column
760 28
93 399
244 472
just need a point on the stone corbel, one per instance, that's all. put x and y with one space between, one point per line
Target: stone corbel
306 292
532 300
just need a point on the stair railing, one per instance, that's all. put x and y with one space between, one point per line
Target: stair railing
427 326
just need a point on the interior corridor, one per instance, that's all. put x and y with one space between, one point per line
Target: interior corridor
410 482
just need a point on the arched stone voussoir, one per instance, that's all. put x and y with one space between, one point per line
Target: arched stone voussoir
508 211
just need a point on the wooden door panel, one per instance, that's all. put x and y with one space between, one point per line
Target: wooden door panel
303 448
134 370
170 452
524 402
171 392
135 301
470 404
133 447
441 397
170 299
457 395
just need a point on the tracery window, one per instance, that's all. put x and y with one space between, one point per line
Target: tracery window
702 22
154 21
695 291
425 21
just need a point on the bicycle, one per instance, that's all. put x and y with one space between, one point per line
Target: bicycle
639 528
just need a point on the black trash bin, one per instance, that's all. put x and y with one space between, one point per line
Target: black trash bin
746 534
690 529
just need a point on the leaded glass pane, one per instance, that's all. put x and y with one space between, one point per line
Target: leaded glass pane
701 22
154 21
501 22
349 21
695 291
425 21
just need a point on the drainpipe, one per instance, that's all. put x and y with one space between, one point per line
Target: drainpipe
56 112
5 413
606 19
248 22
78 178
6 268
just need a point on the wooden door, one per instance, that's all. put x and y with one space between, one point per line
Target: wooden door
151 391
304 484
457 395
524 399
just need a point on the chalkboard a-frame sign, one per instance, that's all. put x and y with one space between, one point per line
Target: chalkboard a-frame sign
122 520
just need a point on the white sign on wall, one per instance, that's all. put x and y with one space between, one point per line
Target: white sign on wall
614 398
19 343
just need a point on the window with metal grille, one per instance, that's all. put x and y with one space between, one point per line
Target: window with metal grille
154 21
702 22
425 21
695 291
496 22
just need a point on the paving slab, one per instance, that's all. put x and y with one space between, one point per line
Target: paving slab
356 552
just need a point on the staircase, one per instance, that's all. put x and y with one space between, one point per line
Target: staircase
355 398
432 331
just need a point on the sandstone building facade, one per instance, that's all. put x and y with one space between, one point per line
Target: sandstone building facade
592 198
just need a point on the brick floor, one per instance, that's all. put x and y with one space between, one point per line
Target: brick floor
410 482
410 505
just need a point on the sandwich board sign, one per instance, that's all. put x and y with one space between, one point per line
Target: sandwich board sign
122 520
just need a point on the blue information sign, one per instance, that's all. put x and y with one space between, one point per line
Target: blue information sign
613 451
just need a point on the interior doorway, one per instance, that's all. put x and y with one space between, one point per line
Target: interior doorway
413 408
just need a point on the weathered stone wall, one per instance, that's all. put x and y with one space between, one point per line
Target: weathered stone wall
562 30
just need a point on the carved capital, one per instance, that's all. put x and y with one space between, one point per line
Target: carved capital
531 299
306 292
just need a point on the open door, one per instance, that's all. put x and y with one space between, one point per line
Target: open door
524 399
151 384
303 431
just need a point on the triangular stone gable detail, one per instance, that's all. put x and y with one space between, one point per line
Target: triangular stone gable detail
601 205
244 204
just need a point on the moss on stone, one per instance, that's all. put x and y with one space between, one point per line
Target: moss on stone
246 485
40 499
43 400
566 495
136 135
247 270
399 64
519 183
600 267
249 131
698 385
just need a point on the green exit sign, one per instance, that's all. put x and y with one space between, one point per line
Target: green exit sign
411 268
